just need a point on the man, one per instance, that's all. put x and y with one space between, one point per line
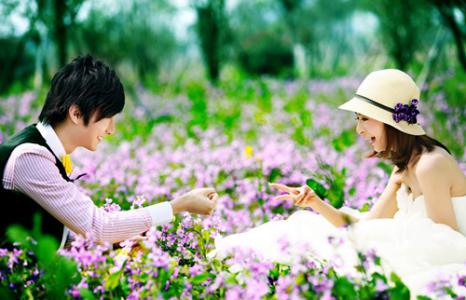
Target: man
83 99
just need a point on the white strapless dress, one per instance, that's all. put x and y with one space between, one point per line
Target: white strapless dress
410 243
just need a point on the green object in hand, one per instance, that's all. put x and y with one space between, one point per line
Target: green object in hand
318 188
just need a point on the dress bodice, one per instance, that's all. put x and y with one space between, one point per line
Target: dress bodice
409 207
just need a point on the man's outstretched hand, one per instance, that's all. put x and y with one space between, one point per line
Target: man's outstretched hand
199 201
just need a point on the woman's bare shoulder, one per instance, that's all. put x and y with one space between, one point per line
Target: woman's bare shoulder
438 160
439 167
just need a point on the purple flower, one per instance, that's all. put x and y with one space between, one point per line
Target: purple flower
3 252
380 286
13 259
462 281
405 112
111 207
195 270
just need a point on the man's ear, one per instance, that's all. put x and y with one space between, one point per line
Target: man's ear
75 114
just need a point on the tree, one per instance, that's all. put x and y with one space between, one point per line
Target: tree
447 9
211 29
47 20
59 16
290 9
403 26
261 42
138 34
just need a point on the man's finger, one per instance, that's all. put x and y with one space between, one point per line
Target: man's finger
214 200
206 191
138 238
211 196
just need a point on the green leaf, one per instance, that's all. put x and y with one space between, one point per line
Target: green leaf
198 279
37 224
18 234
300 279
274 174
344 140
86 294
365 207
400 291
46 250
113 280
7 294
64 273
386 167
423 298
343 289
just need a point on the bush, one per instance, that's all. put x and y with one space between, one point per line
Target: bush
264 53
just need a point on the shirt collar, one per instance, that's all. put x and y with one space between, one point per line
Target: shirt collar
51 138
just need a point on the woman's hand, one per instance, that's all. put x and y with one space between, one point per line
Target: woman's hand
305 197
302 196
396 178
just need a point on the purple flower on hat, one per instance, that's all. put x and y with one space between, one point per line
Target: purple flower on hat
406 112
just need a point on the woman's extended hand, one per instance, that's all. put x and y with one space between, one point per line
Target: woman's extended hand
302 196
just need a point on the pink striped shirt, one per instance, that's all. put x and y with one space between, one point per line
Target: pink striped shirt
31 170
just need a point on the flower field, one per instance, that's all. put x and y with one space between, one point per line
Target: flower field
236 138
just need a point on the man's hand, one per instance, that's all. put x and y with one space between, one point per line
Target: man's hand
199 201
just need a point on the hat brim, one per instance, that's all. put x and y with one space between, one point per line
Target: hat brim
359 106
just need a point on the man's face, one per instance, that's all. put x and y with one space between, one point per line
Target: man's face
94 132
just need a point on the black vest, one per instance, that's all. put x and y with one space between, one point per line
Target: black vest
18 208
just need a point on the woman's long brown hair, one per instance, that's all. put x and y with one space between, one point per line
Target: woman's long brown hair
405 148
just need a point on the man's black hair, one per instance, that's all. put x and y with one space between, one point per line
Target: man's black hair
89 84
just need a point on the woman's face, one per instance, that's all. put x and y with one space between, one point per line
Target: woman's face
372 131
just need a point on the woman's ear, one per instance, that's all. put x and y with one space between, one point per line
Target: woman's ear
75 114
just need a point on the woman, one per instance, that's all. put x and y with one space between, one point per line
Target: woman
417 226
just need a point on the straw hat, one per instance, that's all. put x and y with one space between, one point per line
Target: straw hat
387 96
